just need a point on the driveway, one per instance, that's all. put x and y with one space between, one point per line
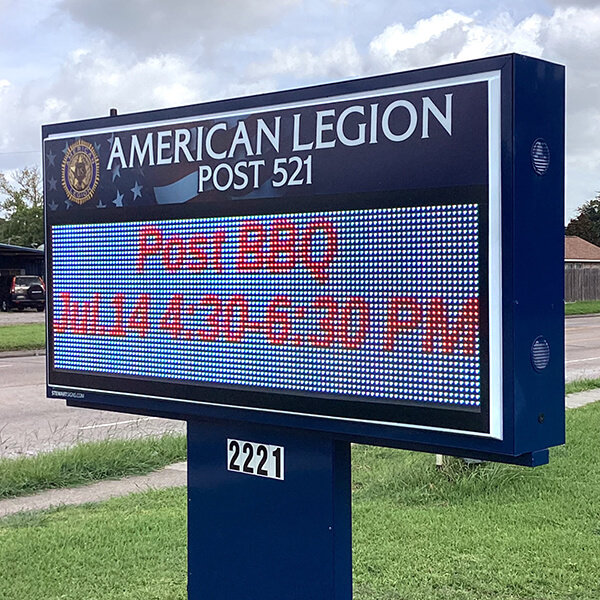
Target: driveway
18 317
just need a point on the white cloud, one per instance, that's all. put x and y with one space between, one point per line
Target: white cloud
582 3
340 60
396 38
92 81
452 36
503 35
569 36
4 91
574 34
88 84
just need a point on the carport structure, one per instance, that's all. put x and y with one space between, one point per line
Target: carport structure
18 260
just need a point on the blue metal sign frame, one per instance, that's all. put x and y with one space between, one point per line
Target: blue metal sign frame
504 148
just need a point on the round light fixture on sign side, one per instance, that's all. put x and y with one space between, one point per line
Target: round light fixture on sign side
540 156
540 353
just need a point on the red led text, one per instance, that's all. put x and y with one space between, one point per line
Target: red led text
327 321
276 248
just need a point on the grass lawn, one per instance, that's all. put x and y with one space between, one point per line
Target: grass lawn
27 336
582 308
497 532
123 549
461 533
86 463
581 385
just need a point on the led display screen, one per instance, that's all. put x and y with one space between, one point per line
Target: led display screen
346 307
380 304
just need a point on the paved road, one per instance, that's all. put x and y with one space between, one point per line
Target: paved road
582 346
18 317
31 423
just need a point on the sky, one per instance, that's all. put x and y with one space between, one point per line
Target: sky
63 60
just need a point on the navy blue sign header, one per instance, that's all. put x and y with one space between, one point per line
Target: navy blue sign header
376 141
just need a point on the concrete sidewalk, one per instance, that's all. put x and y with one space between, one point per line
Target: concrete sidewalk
171 476
582 398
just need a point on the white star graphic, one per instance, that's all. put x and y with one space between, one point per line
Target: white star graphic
137 190
118 201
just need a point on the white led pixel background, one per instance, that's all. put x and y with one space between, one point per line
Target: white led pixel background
381 304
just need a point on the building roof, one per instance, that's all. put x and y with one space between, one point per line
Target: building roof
10 250
577 249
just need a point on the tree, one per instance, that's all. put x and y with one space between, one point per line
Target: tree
586 224
22 202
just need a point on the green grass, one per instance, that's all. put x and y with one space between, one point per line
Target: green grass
487 532
89 462
29 336
581 385
481 532
131 548
582 308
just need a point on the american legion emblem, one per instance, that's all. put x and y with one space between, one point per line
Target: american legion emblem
80 171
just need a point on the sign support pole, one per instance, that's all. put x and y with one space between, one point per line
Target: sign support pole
259 537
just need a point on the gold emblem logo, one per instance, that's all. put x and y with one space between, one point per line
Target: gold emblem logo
80 171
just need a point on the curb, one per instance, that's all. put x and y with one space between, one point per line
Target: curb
22 353
577 399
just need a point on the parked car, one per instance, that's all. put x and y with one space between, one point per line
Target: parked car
22 291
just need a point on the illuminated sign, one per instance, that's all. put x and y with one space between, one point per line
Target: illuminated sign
336 256
379 304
